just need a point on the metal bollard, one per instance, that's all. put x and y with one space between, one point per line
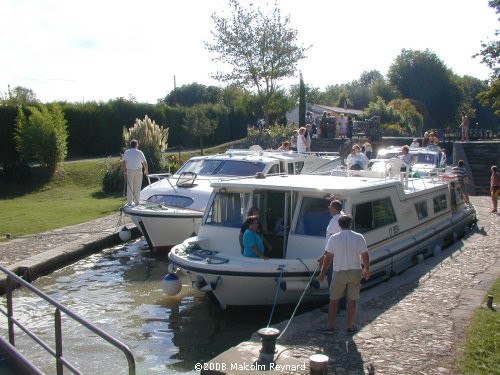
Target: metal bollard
318 364
489 304
268 337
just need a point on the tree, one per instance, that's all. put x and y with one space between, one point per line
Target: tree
260 48
410 119
422 76
193 94
42 135
153 141
302 102
312 93
19 96
198 124
490 56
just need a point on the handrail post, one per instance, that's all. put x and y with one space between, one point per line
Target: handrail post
10 310
58 333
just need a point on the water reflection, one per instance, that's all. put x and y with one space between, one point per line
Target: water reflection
119 290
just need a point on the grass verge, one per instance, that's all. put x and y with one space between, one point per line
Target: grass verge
72 196
481 354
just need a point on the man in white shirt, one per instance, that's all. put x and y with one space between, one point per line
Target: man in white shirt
335 208
132 166
346 248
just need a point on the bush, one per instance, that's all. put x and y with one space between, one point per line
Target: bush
392 130
42 135
152 140
269 138
113 180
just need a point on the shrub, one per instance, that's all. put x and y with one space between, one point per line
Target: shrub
42 135
269 138
152 140
113 180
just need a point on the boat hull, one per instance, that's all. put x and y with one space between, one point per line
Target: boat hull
165 228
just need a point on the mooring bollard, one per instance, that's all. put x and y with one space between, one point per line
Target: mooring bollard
318 364
490 302
268 337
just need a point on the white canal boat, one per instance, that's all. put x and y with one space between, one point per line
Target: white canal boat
402 221
171 208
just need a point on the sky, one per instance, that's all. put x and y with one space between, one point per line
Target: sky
78 51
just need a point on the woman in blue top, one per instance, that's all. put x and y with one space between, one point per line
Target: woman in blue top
253 244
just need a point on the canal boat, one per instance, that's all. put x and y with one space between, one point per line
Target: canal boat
425 161
402 219
172 207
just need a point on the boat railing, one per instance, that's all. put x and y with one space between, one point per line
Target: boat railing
158 177
57 353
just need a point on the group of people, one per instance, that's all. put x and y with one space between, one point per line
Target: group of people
300 140
332 125
359 157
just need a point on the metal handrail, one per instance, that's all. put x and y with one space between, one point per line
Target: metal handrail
58 352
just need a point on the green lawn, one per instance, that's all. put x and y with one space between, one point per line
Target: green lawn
73 196
482 347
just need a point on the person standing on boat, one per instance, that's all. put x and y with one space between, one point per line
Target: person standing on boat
494 187
307 136
406 157
253 243
461 173
134 165
293 140
346 249
301 141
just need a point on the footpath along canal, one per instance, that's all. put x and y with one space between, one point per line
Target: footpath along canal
411 324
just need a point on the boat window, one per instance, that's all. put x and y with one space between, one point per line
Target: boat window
373 215
275 169
239 168
171 200
298 167
226 210
200 167
440 203
423 158
290 168
421 208
313 217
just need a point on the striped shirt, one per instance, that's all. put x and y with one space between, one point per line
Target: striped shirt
460 172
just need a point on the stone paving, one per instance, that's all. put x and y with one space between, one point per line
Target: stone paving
20 249
414 324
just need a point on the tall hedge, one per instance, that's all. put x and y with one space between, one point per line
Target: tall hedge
8 151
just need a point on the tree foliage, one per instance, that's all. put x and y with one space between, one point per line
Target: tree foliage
422 76
153 141
199 124
19 96
302 102
41 135
259 48
193 94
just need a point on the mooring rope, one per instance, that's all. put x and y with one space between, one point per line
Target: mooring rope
282 268
300 301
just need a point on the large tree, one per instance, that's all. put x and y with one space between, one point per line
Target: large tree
259 49
193 94
422 76
198 124
490 56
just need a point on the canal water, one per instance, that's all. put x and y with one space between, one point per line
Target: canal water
119 290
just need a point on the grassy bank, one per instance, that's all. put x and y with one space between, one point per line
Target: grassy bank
72 196
481 354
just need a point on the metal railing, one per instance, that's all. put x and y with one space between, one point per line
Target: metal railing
57 353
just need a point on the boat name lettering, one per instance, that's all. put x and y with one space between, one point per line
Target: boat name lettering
394 230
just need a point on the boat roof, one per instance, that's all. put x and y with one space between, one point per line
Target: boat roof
264 156
340 185
306 183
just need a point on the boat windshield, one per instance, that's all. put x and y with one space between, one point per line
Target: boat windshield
385 154
423 158
210 167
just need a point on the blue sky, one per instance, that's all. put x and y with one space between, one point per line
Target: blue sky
96 50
